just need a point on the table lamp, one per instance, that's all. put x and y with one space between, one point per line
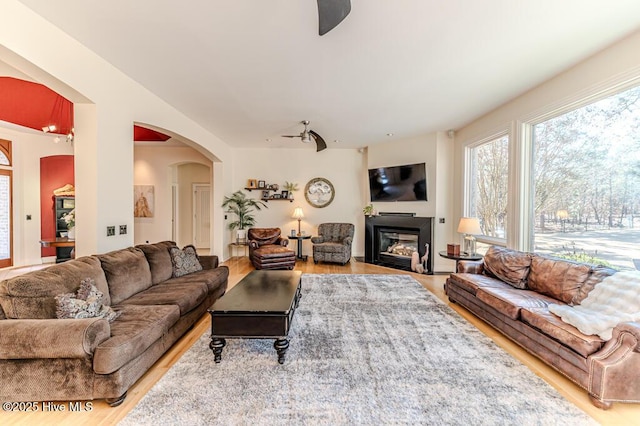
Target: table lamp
298 214
469 226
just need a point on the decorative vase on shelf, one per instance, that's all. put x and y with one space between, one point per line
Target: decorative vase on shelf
71 233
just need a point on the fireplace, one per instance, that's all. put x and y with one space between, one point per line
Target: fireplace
391 240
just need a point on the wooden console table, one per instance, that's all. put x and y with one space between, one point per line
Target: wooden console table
60 242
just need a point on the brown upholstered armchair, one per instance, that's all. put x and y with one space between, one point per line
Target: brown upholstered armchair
268 250
333 243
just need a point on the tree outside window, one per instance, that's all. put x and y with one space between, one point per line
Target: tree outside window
587 182
488 186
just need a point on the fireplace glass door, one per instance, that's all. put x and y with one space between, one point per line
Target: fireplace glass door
397 247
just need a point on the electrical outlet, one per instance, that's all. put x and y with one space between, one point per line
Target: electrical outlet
111 231
442 220
28 217
123 229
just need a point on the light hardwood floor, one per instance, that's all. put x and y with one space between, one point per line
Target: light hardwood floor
102 414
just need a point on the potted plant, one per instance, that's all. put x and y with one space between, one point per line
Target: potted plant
243 208
368 210
290 186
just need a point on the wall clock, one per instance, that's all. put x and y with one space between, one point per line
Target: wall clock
319 192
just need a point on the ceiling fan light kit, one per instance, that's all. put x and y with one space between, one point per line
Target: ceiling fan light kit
307 136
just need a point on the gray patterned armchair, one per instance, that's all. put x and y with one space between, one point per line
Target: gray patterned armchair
333 243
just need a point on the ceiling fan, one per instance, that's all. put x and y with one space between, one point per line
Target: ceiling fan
308 136
331 13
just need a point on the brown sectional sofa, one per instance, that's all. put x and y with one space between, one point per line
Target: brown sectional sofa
43 358
512 290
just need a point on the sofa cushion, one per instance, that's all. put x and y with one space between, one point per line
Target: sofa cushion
264 236
272 251
472 282
331 247
33 295
509 301
137 328
511 266
127 273
214 279
568 335
598 273
557 278
184 261
159 260
186 295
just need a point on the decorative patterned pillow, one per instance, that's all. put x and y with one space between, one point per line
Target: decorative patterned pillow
86 303
184 261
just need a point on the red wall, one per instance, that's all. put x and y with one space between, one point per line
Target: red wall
55 172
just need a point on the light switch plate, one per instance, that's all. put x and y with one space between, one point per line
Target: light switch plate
111 231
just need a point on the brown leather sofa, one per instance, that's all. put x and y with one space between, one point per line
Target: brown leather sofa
43 358
512 290
268 250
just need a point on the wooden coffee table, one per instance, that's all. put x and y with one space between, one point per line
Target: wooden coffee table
260 306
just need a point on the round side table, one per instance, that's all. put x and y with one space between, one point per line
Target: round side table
459 257
300 238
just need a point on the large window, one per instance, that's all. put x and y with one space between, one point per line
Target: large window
586 170
488 186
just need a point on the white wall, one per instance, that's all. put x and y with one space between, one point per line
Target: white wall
435 150
109 105
617 65
154 166
344 168
27 149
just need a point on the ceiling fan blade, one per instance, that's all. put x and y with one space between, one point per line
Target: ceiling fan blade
290 136
331 13
320 143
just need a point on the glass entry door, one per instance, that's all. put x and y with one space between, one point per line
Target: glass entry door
6 240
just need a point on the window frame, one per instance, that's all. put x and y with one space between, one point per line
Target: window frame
525 126
7 170
468 181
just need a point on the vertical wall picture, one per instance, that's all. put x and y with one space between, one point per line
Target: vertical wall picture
143 200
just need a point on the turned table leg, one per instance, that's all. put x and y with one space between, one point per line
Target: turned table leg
281 346
216 346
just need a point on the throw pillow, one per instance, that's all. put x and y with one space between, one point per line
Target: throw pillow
184 261
510 266
86 303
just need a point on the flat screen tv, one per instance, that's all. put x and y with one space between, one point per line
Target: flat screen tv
398 183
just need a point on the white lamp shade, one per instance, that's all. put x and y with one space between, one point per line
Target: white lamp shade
297 213
469 225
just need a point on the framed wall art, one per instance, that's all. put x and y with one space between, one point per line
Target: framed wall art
143 200
319 192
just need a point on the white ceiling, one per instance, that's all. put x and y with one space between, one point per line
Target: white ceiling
249 70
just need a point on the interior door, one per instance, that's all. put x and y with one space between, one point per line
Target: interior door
174 212
202 215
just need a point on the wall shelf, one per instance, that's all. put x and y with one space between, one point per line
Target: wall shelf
268 189
277 199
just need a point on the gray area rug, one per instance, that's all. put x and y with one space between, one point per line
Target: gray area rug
365 349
